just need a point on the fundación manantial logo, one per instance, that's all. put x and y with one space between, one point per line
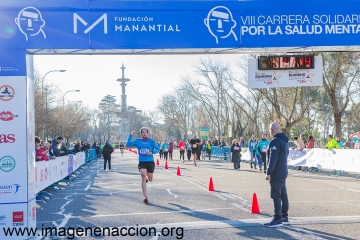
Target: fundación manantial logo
220 23
30 22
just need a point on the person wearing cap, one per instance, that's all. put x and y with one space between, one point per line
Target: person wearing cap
147 147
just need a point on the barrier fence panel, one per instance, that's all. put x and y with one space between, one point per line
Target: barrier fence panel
53 171
220 153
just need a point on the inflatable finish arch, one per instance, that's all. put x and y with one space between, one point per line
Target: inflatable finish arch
29 27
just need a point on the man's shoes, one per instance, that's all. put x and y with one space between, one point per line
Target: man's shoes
147 180
146 200
260 169
183 161
274 223
285 220
251 166
264 171
105 170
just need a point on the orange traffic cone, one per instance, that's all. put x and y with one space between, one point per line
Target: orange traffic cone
157 162
255 209
211 185
166 165
178 171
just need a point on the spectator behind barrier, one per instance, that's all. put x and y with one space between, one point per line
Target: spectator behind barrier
55 148
77 147
51 152
332 143
340 143
302 138
311 143
299 144
42 153
242 143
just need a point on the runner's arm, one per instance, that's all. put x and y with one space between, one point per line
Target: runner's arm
130 143
156 148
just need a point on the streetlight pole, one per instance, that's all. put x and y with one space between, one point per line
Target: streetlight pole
42 96
62 117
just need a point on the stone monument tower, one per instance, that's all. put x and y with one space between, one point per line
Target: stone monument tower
124 113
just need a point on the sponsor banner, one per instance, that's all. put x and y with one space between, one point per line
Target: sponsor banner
177 24
297 158
30 126
284 78
49 172
338 159
31 214
12 190
13 138
14 62
13 215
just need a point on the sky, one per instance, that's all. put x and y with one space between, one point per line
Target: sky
151 76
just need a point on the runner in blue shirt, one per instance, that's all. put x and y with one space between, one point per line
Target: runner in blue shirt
146 149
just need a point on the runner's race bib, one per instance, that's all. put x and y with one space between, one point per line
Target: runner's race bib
253 143
166 149
264 149
143 151
194 145
236 148
182 148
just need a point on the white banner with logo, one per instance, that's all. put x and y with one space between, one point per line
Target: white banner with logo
284 78
338 159
13 140
335 159
49 172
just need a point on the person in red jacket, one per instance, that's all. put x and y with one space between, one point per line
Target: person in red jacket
42 153
182 148
311 143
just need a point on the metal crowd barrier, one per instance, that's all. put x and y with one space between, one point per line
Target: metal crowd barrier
221 153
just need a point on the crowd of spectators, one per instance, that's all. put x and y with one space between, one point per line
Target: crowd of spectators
57 147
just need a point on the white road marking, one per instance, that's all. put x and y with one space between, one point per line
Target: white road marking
228 195
352 190
87 187
98 171
241 207
168 190
301 230
219 196
153 213
201 187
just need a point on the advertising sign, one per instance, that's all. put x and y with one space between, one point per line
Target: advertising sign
204 131
13 138
284 77
229 130
88 24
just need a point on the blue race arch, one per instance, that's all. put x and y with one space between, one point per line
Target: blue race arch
105 26
29 27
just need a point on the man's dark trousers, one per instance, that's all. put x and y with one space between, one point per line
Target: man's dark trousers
279 196
107 158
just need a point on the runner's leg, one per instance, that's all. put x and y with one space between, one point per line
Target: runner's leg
143 173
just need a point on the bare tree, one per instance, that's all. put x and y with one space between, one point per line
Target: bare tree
341 82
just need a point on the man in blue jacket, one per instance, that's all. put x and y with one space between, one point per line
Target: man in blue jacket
146 150
277 172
